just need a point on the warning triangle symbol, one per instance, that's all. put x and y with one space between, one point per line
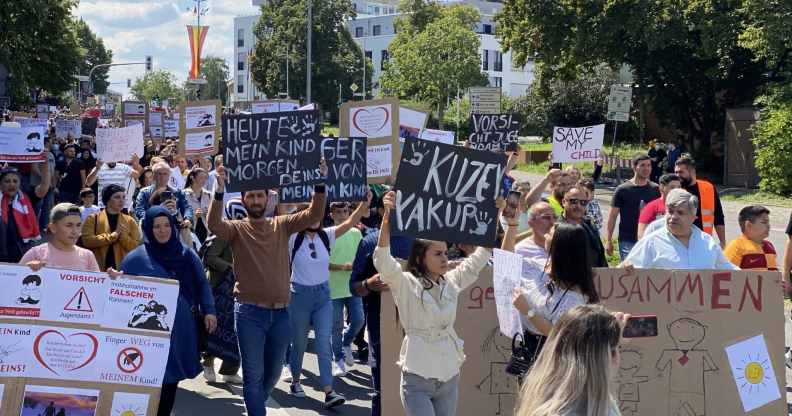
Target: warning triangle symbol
79 302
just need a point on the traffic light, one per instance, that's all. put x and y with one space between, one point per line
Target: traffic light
129 83
148 63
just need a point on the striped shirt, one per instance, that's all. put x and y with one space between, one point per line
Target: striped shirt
119 175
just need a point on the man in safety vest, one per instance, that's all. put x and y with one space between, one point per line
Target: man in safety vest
710 211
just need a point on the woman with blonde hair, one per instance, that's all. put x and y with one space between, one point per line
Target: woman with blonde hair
572 375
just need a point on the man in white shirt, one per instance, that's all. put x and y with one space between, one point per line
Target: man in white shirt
678 245
119 174
541 218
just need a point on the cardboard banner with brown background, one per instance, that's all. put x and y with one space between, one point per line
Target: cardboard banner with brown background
704 317
377 121
199 127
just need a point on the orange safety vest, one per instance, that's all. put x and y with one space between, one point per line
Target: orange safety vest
707 202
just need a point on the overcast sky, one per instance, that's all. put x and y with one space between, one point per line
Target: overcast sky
133 29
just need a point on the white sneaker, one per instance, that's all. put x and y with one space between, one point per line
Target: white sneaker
209 374
788 358
339 370
233 379
286 375
348 359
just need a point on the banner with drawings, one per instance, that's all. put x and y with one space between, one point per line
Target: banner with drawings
83 340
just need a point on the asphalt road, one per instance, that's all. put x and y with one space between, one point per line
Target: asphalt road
196 397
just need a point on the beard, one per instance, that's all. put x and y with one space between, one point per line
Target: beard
686 182
255 211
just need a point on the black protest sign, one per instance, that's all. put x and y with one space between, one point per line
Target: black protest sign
271 150
447 193
346 172
494 132
223 342
89 126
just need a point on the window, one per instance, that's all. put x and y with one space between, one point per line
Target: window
240 84
358 32
385 57
241 38
496 81
377 30
376 10
241 61
485 60
487 29
498 61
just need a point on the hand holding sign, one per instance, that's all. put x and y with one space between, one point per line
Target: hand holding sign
211 323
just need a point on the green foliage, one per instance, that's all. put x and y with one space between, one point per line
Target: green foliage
160 83
771 138
768 32
281 38
215 71
95 53
457 117
432 64
39 47
685 55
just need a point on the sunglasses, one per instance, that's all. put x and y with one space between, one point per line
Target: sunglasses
547 217
313 250
581 202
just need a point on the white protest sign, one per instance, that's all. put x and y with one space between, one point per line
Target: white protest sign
118 145
507 270
411 123
65 127
137 304
21 144
578 144
379 160
171 128
37 123
371 122
753 372
441 136
260 107
200 116
198 143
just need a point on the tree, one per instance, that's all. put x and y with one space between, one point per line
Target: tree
281 41
685 56
39 47
95 53
435 63
215 71
768 33
161 84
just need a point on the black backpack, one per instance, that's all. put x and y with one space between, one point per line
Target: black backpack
299 240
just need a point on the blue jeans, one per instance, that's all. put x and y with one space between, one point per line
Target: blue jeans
429 396
311 304
263 335
624 248
354 305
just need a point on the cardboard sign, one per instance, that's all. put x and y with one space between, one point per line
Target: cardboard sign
494 132
134 112
578 144
411 122
274 106
448 193
271 150
88 125
506 276
65 127
698 363
21 144
119 144
440 136
56 340
346 173
377 121
199 129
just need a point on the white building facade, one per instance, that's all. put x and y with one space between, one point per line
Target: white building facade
373 29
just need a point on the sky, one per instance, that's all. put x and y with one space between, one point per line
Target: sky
133 29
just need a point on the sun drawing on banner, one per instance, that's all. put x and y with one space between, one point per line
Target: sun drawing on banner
129 410
753 375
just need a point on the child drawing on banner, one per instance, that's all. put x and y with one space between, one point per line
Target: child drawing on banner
151 316
206 121
31 291
688 365
498 382
629 381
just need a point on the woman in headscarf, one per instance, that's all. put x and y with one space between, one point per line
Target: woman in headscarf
163 255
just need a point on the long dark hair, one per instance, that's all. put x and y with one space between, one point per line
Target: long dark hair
192 175
416 266
569 260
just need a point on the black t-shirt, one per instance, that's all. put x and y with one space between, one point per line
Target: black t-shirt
112 219
789 226
719 218
71 180
630 198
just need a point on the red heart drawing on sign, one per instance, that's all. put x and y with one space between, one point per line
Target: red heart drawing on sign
81 357
370 121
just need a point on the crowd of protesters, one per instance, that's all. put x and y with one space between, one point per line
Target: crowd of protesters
324 266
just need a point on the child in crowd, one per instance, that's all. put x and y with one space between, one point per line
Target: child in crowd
61 251
751 250
88 198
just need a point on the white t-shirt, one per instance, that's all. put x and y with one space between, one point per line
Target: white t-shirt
530 251
85 212
176 180
119 175
308 270
549 306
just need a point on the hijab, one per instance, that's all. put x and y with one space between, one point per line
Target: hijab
172 255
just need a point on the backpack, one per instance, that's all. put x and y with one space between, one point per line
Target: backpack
299 240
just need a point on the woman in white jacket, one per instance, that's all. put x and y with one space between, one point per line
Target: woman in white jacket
426 295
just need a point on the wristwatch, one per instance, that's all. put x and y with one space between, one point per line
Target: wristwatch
365 285
531 313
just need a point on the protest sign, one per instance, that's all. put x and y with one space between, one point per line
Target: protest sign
21 144
378 122
506 277
448 193
346 172
719 343
223 342
484 386
58 346
88 125
271 150
274 106
171 128
42 111
199 129
134 112
440 136
411 122
37 123
119 144
68 126
156 124
494 132
578 144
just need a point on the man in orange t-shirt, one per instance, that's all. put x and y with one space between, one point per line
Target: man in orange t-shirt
751 250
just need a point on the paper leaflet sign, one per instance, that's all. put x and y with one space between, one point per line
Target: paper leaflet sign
578 144
119 144
21 144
